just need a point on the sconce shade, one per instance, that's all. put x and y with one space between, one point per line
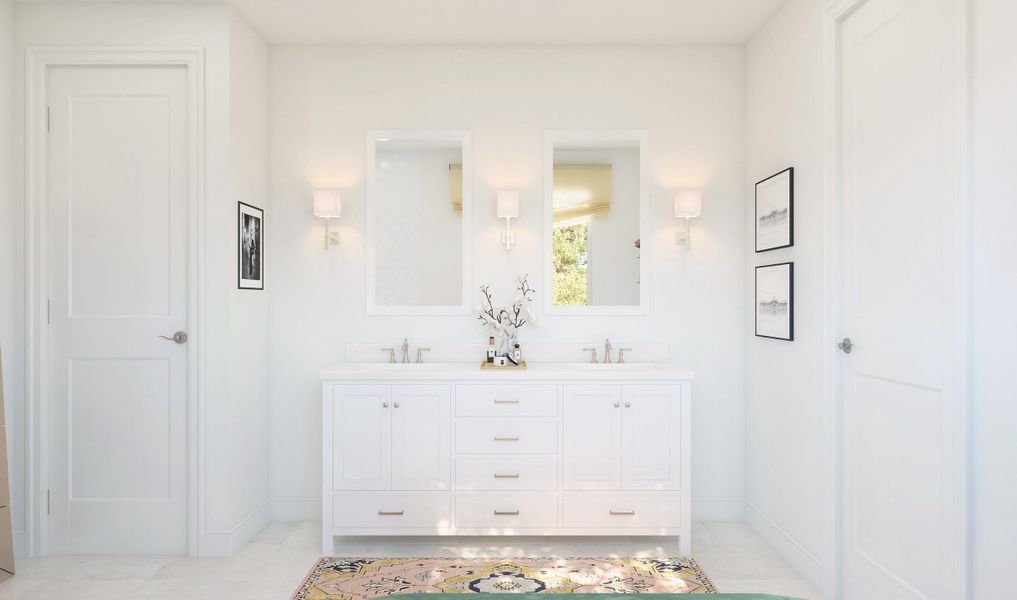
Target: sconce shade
328 204
688 203
508 205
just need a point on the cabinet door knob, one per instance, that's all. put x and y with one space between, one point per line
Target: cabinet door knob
628 405
617 404
384 404
396 405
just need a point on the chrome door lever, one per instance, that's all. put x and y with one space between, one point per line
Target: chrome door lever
179 337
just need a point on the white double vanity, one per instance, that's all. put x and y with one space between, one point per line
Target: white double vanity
448 449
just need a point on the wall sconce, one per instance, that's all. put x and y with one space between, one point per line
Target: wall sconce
328 205
508 209
688 204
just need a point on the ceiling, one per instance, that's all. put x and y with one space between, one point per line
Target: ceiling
506 21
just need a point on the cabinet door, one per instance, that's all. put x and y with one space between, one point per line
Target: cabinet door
592 437
361 437
421 437
651 437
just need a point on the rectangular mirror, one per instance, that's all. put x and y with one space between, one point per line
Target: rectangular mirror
419 187
596 215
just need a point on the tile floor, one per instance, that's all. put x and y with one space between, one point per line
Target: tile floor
274 563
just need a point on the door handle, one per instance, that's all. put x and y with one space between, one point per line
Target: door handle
506 513
179 337
627 513
391 513
506 438
845 345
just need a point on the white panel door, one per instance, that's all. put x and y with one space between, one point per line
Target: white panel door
898 91
117 186
362 428
651 437
421 437
592 420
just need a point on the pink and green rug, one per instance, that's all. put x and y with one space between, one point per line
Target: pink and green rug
360 578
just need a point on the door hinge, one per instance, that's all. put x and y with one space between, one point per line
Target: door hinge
47 120
47 501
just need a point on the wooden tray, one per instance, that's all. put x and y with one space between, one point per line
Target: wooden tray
493 367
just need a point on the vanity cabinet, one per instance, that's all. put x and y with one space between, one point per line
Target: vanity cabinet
527 455
389 437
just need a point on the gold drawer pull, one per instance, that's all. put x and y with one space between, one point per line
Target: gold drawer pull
506 475
506 513
497 401
391 513
506 438
623 512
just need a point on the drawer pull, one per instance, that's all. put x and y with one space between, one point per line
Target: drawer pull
506 475
391 513
506 513
506 438
515 401
623 512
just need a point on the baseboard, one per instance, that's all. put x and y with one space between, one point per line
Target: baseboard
808 565
226 542
718 509
20 544
295 509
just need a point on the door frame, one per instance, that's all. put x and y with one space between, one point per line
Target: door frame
834 15
38 61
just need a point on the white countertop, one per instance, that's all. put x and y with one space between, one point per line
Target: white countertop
472 371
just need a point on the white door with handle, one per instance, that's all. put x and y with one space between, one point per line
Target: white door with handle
651 437
592 458
117 198
901 189
361 417
421 437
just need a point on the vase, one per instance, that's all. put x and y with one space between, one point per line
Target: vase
507 341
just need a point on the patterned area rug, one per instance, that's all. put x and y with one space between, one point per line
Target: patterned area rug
357 578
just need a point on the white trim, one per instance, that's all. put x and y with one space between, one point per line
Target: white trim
718 509
227 542
20 544
295 509
593 135
804 561
451 135
958 530
37 62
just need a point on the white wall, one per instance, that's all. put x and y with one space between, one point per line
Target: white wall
233 371
994 287
787 470
11 333
690 99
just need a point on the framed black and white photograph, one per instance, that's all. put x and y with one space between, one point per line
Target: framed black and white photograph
775 211
251 247
775 303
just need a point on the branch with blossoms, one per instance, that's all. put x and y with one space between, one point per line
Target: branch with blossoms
498 318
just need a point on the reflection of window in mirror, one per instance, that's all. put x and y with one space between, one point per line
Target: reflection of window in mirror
596 221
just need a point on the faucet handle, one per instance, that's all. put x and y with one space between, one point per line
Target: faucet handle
391 354
420 357
621 354
593 357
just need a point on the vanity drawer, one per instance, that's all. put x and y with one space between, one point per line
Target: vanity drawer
487 400
506 511
506 436
506 473
392 510
621 511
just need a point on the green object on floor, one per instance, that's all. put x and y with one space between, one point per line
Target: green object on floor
485 596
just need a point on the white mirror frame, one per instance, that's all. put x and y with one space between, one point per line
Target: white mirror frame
463 137
551 138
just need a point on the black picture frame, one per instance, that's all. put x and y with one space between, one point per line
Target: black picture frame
788 240
775 308
250 247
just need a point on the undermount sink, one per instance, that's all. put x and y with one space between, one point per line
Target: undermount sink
406 366
607 366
